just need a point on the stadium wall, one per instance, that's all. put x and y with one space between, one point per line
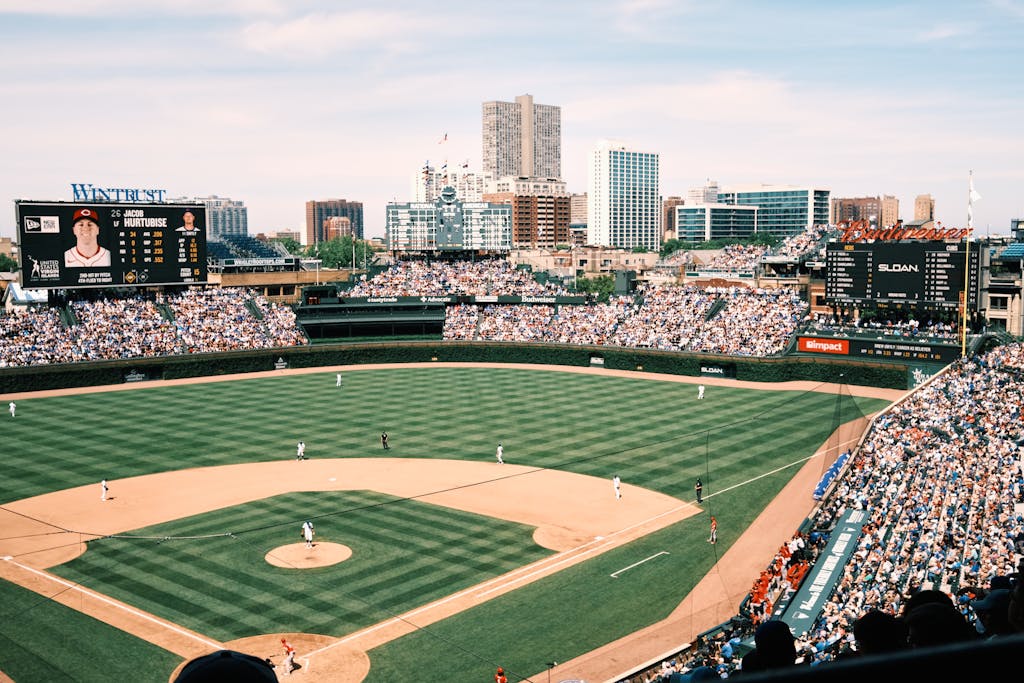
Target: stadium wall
779 369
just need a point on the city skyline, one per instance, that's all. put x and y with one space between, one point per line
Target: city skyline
278 103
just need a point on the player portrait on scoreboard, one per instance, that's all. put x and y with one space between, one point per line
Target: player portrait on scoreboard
87 251
188 220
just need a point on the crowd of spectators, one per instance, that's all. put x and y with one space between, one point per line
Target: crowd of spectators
796 246
459 278
735 257
887 324
941 476
193 321
727 320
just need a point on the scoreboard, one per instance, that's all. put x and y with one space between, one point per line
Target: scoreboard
928 275
72 245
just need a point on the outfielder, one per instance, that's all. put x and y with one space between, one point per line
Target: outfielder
700 392
300 451
307 533
11 407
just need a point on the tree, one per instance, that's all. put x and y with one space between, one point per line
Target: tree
293 246
7 264
338 252
670 247
601 287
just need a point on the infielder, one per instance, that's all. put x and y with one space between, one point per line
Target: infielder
300 451
307 533
499 453
616 484
103 490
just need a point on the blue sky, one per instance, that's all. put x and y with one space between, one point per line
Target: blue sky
275 102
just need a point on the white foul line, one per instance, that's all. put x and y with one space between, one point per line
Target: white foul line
615 575
102 598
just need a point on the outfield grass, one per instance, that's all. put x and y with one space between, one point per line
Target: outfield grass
653 434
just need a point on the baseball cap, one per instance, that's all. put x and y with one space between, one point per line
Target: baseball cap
996 599
88 214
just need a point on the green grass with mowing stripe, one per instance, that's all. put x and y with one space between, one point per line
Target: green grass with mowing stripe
652 433
42 640
404 554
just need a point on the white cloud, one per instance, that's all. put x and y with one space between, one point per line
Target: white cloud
322 34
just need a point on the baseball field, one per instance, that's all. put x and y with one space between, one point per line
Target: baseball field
429 557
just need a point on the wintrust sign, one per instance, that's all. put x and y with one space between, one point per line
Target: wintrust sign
814 345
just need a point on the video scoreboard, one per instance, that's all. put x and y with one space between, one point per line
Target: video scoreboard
928 275
72 245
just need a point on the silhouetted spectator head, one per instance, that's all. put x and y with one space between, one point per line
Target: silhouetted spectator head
993 610
936 623
924 597
877 632
775 645
227 666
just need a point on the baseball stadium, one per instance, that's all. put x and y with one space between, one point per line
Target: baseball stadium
790 452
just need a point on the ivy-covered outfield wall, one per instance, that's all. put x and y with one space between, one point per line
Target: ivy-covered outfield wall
790 368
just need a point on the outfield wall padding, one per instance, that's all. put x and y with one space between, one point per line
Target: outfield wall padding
769 370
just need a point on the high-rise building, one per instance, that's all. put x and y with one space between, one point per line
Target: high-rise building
881 211
668 217
924 208
704 222
782 210
578 208
708 194
224 216
624 203
539 221
890 211
318 211
522 138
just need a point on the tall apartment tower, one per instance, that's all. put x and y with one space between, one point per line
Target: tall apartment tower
522 139
225 217
890 211
624 202
924 208
318 211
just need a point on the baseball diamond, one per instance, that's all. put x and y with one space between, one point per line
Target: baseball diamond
195 548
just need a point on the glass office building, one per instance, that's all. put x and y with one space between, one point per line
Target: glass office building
782 211
623 198
703 222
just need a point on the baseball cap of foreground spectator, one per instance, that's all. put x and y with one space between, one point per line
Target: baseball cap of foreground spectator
227 666
995 600
88 214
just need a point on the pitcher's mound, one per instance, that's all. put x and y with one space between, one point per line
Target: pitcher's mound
298 556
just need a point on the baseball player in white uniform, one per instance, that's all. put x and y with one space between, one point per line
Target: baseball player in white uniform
499 453
103 490
300 451
616 484
339 380
11 407
700 392
307 533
